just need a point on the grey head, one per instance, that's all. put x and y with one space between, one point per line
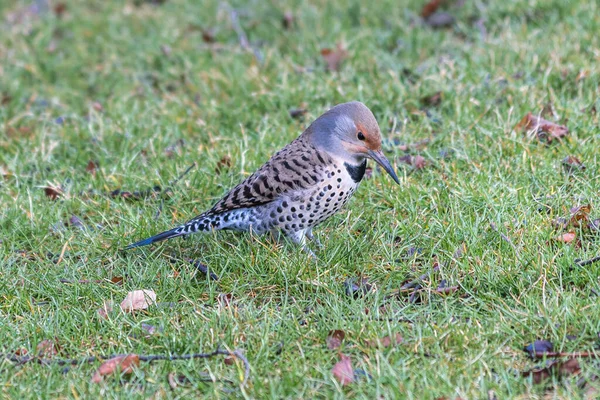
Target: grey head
350 131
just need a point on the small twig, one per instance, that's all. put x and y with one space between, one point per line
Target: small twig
502 235
583 263
560 354
20 360
203 269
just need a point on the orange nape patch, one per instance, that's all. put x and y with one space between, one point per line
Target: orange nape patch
372 138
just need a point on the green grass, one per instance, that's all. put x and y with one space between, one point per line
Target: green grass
223 101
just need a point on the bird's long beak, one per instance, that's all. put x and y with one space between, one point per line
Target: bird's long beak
380 159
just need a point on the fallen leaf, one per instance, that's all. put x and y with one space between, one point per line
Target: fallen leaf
580 215
334 58
572 163
53 192
555 368
223 164
440 20
125 364
541 127
419 162
342 370
21 351
538 346
430 7
335 339
91 167
138 300
229 360
117 280
566 237
47 348
106 309
60 9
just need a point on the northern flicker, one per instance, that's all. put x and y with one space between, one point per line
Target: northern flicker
301 185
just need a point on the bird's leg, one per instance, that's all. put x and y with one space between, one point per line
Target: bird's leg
309 235
299 238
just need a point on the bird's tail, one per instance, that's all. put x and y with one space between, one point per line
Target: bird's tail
202 223
158 238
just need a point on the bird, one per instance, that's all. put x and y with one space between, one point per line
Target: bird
302 184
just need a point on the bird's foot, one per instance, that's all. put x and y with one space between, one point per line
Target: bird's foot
315 239
308 251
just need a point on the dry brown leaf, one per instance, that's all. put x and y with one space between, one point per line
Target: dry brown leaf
556 368
342 370
53 192
541 127
566 237
21 352
91 167
334 57
223 164
419 162
125 363
138 300
335 339
430 7
229 360
580 215
572 163
47 348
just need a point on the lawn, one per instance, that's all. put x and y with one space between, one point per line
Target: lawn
104 104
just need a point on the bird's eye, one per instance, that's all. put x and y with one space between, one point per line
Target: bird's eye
361 136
